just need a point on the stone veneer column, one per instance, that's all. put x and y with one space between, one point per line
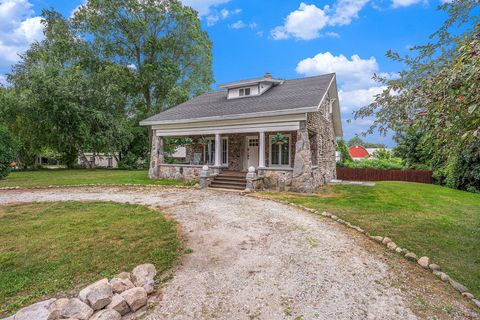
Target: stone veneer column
302 179
156 156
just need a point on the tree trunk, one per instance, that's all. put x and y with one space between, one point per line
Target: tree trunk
83 157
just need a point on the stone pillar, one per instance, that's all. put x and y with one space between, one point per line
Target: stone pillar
261 153
218 150
204 177
251 175
156 156
303 180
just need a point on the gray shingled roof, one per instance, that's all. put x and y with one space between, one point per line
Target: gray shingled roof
292 94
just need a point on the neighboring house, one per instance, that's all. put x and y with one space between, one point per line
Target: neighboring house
359 153
235 129
99 160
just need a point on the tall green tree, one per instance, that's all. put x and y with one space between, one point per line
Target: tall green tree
162 42
439 91
66 95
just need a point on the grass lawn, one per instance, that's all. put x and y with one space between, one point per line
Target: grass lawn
62 177
441 223
49 249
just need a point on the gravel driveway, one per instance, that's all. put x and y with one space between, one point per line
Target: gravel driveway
256 259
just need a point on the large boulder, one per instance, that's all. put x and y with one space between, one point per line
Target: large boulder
56 309
124 275
37 311
135 297
106 315
119 285
119 304
97 295
75 308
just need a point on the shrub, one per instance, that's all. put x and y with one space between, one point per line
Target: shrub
8 151
344 154
391 164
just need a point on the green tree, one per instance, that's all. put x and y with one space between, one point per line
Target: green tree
68 97
343 149
162 42
439 92
8 150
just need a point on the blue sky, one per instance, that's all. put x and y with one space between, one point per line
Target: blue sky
290 39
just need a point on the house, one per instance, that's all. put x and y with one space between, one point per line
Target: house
358 153
99 160
285 129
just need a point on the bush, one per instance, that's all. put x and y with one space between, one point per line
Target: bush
8 151
391 164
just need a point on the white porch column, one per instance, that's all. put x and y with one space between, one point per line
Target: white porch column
261 150
218 150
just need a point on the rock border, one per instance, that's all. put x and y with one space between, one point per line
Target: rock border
423 262
125 294
100 185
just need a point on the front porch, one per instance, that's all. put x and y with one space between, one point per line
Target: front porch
232 152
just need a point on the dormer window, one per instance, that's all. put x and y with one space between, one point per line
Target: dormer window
250 88
244 92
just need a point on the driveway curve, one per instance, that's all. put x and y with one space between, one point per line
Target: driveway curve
257 259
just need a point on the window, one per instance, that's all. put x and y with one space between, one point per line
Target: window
244 92
209 152
280 153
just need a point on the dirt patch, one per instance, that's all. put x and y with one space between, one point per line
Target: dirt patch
257 259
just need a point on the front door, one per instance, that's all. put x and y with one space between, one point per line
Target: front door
252 152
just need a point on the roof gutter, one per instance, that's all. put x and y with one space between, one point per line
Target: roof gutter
233 116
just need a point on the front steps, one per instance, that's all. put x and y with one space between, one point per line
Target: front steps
229 180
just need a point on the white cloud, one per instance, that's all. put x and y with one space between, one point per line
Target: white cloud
18 29
304 23
203 6
332 34
353 73
308 20
405 3
260 34
223 14
252 25
238 25
355 99
345 11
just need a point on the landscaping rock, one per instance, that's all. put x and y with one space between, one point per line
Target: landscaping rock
434 267
458 286
391 245
124 275
476 302
411 256
106 315
423 262
379 239
119 285
398 250
467 295
119 304
444 277
386 240
143 276
56 308
75 308
135 297
82 295
37 311
97 295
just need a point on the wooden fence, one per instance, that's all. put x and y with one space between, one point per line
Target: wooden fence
357 174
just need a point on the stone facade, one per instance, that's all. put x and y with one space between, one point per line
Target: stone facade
188 172
278 179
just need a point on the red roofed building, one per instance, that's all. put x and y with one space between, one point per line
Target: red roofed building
358 152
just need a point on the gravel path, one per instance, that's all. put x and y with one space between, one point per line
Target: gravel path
256 259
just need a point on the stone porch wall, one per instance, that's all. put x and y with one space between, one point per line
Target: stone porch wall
179 171
278 179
